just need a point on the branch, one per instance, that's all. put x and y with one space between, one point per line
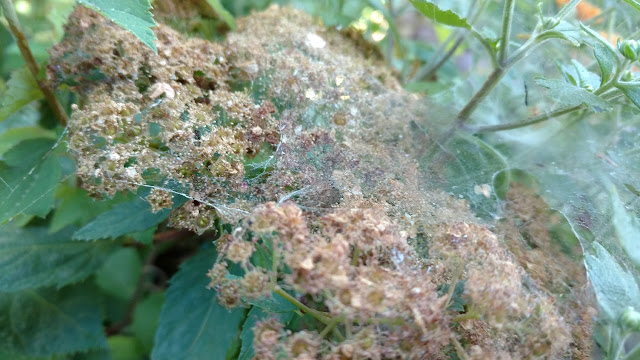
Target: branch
23 45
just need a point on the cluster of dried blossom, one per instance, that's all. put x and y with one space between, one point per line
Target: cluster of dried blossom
284 109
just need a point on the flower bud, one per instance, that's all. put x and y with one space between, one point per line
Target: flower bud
550 23
630 318
630 49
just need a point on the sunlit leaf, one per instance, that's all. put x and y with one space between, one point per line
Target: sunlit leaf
634 3
49 322
615 287
571 95
21 90
193 325
32 257
132 15
446 17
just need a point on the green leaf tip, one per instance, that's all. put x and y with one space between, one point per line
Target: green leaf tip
435 13
132 15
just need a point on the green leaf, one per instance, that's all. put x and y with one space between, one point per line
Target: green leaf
193 325
274 304
133 15
255 315
223 13
596 36
559 34
627 227
22 89
615 287
633 3
125 348
76 207
607 60
433 12
457 301
130 217
145 320
32 258
119 274
571 95
48 322
14 136
631 92
27 184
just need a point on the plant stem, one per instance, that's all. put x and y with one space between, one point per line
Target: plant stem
331 325
429 71
459 349
315 313
620 349
505 35
459 36
531 121
536 119
32 65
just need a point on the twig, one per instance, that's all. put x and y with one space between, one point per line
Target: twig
505 35
16 30
315 313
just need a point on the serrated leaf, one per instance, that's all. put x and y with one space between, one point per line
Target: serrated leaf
32 258
615 287
255 315
193 325
48 322
571 95
126 218
14 136
627 227
22 89
76 207
132 15
607 61
28 183
631 92
433 12
119 274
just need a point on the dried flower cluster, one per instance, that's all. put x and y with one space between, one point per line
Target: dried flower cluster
359 265
356 266
289 131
